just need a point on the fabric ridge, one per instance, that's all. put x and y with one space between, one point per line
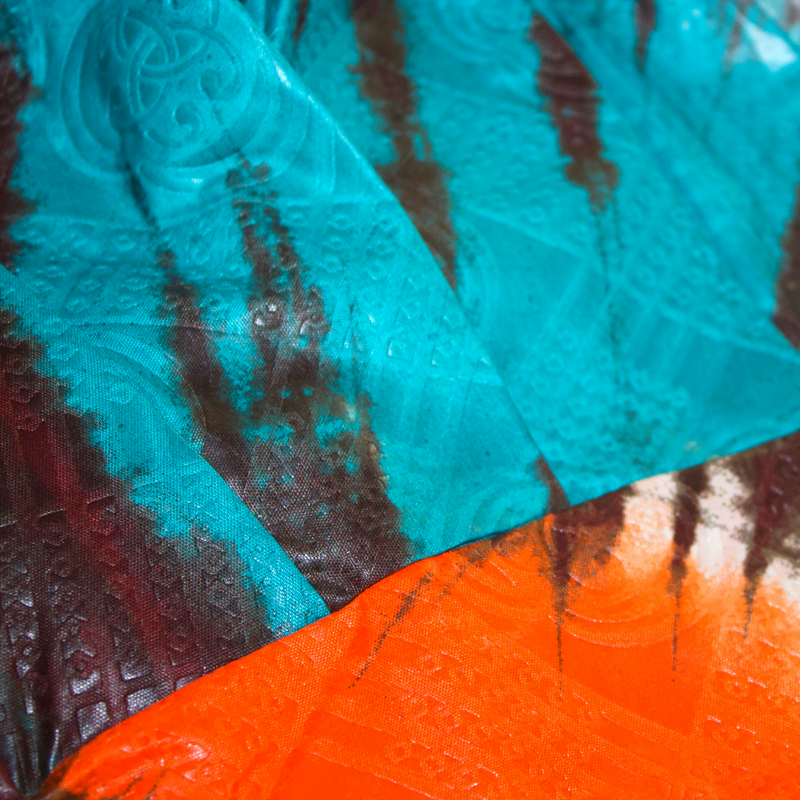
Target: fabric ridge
623 647
399 398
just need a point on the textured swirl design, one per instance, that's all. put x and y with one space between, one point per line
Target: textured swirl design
591 650
163 87
471 28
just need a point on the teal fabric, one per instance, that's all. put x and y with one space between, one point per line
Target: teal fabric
235 387
151 126
296 292
635 339
624 333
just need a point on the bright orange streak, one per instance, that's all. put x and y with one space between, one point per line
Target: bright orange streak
442 681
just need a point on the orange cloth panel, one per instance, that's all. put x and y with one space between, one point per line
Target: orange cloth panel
476 674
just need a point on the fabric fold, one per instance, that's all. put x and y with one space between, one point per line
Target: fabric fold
237 390
640 645
614 226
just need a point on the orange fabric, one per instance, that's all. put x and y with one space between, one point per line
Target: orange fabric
443 681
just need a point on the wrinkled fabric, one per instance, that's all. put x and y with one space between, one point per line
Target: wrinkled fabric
619 183
299 292
642 645
236 388
252 281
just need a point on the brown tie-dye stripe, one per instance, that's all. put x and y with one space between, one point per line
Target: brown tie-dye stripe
300 20
579 542
415 177
15 90
573 104
100 616
323 499
204 380
771 474
691 483
645 18
786 315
